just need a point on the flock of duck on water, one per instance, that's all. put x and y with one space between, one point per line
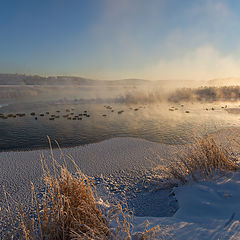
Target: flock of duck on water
69 114
187 111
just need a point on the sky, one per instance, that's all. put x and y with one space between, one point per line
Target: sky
115 39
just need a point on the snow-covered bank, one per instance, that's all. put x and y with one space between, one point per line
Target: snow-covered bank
107 157
208 210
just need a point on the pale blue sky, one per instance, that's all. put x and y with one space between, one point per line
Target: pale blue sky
112 39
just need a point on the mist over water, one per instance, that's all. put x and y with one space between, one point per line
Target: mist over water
157 111
178 95
62 89
162 123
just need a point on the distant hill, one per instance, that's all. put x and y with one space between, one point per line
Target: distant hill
130 81
11 79
22 79
231 81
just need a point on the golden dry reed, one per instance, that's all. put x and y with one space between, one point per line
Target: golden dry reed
69 209
69 206
202 160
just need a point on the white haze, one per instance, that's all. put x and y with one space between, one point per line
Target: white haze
202 63
132 91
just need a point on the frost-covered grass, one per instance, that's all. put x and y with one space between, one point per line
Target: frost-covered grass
202 160
69 207
66 209
207 192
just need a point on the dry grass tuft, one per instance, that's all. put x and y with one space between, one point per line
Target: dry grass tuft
151 233
69 208
203 159
66 210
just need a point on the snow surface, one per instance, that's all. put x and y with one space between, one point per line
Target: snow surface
207 209
111 157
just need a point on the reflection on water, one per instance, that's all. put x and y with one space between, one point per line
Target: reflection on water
71 126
